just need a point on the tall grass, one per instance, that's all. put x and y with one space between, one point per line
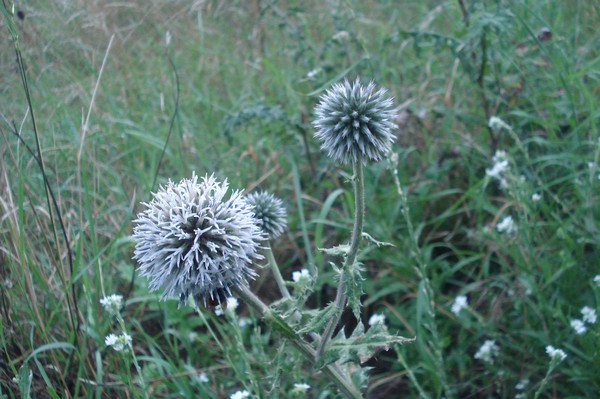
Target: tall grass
233 91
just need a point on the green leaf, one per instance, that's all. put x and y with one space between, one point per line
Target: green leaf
340 250
360 346
378 243
319 318
25 379
353 282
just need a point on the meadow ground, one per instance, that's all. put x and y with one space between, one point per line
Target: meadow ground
490 195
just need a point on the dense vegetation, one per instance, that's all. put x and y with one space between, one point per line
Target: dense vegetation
491 192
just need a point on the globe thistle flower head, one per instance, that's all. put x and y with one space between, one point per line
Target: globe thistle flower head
192 240
355 121
269 212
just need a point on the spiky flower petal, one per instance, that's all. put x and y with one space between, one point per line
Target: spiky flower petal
355 121
191 240
270 213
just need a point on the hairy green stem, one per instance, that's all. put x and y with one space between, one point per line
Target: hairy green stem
276 273
359 217
344 384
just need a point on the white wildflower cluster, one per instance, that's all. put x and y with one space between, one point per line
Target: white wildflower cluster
112 303
488 351
460 302
536 197
300 275
377 318
232 304
313 72
506 225
244 322
240 395
301 387
556 353
118 342
597 279
500 167
496 124
589 316
522 384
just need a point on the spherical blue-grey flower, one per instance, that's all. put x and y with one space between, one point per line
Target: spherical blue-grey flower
192 240
355 122
269 212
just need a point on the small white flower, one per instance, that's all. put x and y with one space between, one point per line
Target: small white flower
110 339
555 353
203 378
377 318
497 169
487 351
240 395
597 280
232 303
496 124
506 225
589 315
578 326
460 302
341 36
522 384
112 303
300 275
536 197
312 73
244 322
302 387
118 342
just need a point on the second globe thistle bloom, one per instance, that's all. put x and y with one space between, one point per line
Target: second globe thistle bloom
191 240
269 212
355 122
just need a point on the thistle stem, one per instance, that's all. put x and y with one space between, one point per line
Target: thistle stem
335 375
276 273
359 216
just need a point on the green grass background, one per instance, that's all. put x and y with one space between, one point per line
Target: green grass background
232 93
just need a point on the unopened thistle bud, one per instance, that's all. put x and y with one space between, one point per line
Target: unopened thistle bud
191 240
354 121
269 212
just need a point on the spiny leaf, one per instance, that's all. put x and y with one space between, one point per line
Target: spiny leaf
360 346
340 250
353 282
319 319
378 243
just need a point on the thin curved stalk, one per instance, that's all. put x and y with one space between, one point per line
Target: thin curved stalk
276 272
359 216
